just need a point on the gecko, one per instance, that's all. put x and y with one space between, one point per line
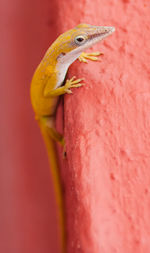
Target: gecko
49 82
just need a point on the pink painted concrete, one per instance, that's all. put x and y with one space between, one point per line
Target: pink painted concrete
107 130
107 171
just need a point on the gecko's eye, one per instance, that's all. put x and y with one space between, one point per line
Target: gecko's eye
79 40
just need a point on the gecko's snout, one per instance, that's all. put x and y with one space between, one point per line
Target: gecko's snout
112 29
100 32
108 29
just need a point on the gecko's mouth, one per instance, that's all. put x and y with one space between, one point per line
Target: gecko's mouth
102 34
97 35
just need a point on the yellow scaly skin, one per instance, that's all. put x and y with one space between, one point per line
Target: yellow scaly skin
47 86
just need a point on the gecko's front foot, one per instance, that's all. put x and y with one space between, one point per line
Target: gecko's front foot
89 56
72 83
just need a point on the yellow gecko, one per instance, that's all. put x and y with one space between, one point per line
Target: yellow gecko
48 83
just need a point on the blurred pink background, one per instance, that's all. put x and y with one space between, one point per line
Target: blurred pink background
27 205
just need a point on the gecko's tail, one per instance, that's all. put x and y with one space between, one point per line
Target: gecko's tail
53 161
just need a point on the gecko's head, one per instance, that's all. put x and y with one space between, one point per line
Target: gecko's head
83 36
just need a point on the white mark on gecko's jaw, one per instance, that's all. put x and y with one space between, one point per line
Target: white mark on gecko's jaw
60 55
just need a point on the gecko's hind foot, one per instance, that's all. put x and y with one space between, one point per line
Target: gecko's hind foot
64 154
89 56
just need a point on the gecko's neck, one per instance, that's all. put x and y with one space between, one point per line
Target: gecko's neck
63 64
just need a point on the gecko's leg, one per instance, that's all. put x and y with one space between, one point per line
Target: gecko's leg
49 123
72 83
89 56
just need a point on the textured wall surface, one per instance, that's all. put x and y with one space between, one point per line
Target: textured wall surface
107 129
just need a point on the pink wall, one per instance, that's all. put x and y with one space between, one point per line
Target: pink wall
107 122
27 205
107 130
